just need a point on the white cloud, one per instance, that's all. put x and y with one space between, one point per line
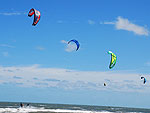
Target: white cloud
91 22
40 48
147 63
6 45
72 79
63 41
10 13
109 23
125 24
69 47
5 54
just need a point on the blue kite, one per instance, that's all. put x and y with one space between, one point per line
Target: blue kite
77 43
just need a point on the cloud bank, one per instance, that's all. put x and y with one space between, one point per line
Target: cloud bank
35 76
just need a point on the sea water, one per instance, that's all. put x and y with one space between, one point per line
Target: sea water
14 107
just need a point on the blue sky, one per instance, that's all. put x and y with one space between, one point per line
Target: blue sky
37 64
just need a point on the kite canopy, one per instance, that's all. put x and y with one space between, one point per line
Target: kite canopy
144 80
113 59
37 16
77 43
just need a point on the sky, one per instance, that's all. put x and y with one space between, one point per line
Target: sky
38 65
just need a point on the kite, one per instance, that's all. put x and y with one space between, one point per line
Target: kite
104 84
113 59
144 80
77 43
37 16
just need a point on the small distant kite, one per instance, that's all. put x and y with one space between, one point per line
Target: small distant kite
37 16
104 84
113 59
77 43
144 80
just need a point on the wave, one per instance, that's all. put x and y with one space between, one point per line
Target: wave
34 109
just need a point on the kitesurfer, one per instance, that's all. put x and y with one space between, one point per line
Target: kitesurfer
28 104
21 104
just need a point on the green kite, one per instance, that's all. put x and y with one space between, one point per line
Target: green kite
113 59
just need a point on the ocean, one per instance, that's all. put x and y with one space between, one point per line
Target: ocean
14 107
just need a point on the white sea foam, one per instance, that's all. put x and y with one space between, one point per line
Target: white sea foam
33 109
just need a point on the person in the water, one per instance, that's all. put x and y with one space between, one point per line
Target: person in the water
28 104
21 104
